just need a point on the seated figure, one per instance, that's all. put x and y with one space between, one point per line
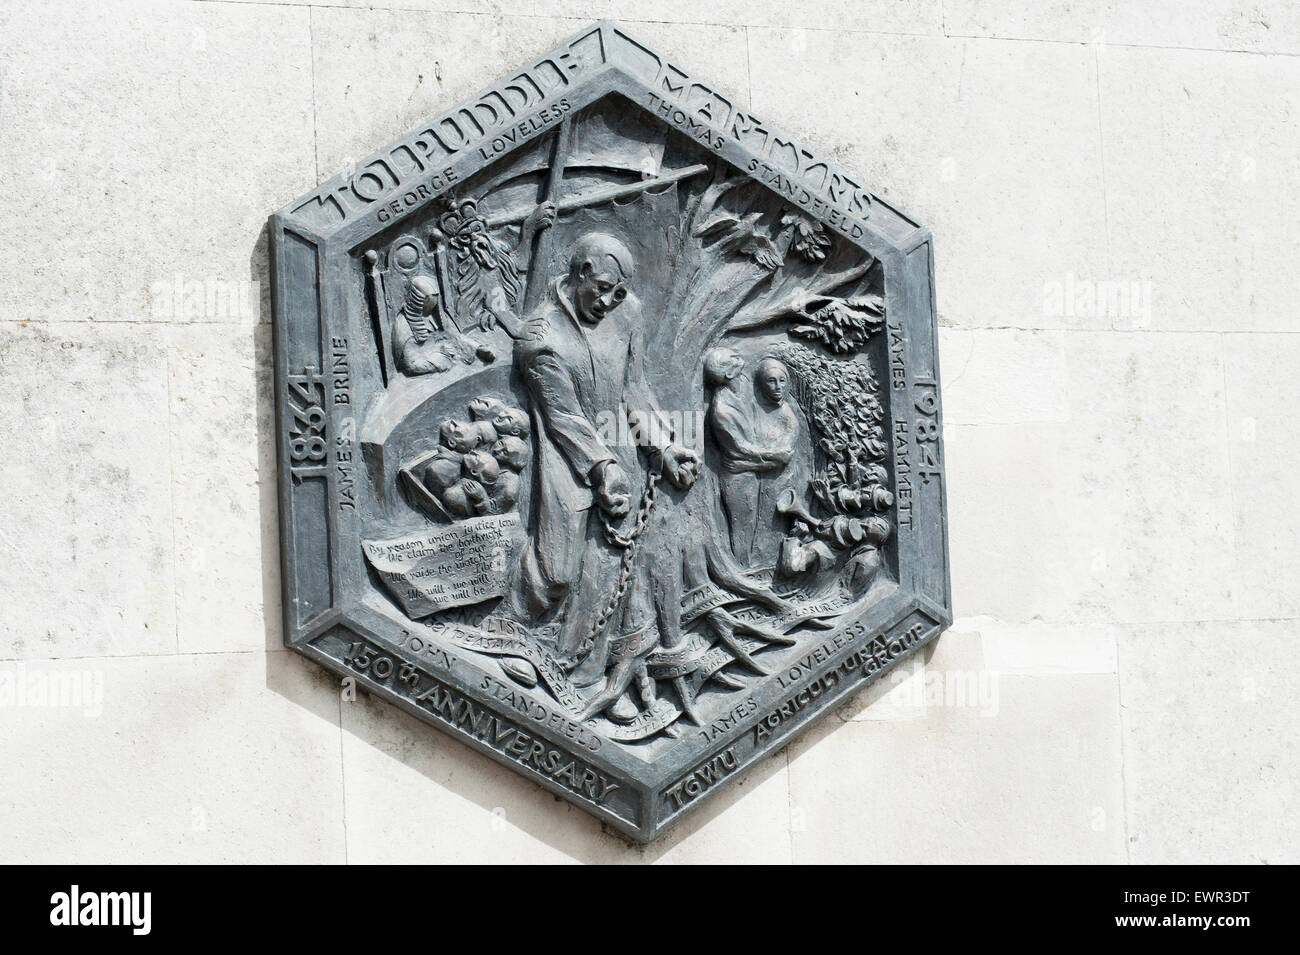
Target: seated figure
423 342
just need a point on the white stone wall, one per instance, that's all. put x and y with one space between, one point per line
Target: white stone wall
1119 685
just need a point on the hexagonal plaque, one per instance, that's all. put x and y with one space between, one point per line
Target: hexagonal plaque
609 430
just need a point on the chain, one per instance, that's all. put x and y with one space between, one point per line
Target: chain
642 515
628 545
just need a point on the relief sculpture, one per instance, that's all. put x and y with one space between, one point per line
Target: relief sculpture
635 442
689 378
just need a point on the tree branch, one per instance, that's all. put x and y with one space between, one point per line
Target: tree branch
750 319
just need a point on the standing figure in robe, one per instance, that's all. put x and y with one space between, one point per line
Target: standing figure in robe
581 359
756 431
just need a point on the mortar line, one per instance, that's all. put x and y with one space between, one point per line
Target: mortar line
311 53
942 35
1123 755
749 68
524 15
171 494
1122 624
789 803
949 327
1101 162
1227 442
1128 46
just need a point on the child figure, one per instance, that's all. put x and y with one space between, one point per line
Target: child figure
445 466
511 421
482 412
511 454
472 495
